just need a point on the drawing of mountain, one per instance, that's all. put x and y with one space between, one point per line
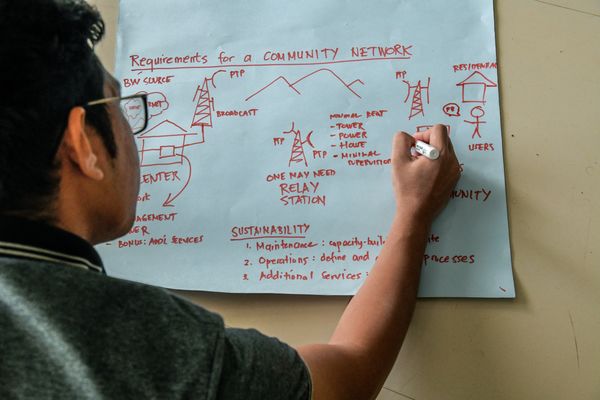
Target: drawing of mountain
324 75
278 85
326 82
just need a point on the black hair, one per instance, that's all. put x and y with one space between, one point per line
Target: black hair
47 67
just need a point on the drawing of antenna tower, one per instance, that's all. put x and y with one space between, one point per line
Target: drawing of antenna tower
297 156
204 107
417 99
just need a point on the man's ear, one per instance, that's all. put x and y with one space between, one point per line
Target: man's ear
79 146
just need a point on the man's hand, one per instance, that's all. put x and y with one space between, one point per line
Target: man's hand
422 186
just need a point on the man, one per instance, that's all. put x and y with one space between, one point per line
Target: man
69 178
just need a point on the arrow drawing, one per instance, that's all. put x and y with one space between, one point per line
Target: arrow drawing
170 197
292 85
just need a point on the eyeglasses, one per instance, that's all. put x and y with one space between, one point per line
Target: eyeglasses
134 109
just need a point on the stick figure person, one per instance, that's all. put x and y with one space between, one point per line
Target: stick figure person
477 113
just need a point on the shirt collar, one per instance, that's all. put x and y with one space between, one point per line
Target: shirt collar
22 238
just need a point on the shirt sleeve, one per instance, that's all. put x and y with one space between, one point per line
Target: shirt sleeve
259 367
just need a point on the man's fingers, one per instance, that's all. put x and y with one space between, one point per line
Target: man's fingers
438 137
401 146
423 136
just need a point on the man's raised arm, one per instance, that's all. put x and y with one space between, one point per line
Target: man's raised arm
365 344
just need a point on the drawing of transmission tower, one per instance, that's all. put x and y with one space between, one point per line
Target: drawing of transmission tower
204 107
297 156
417 99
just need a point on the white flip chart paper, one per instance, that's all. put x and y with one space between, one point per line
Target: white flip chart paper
265 167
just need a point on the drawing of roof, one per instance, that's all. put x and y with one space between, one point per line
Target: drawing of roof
477 78
166 128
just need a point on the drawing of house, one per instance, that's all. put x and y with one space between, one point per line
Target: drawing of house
474 88
164 144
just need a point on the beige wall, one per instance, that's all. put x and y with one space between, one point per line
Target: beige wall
546 344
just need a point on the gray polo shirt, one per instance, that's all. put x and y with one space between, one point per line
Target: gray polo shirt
69 331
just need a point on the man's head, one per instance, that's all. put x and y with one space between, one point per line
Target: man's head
61 161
